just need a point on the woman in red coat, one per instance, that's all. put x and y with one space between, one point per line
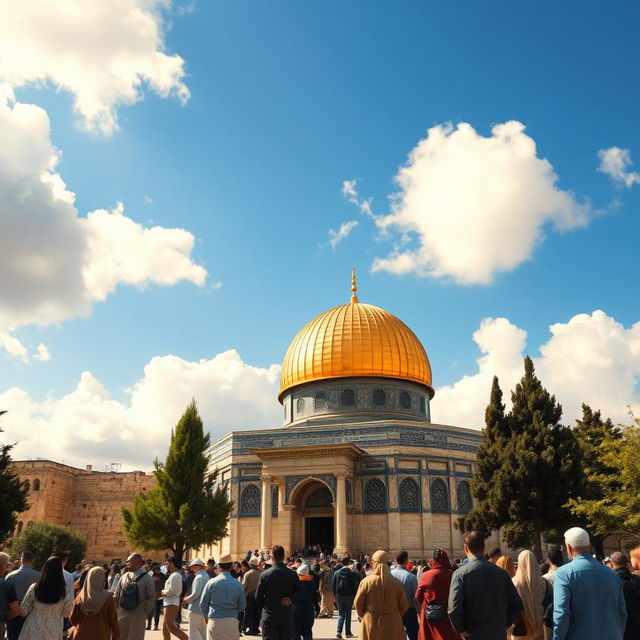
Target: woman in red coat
434 589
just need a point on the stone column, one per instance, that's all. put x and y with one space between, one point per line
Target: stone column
342 544
265 520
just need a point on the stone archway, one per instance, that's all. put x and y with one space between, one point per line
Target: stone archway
314 514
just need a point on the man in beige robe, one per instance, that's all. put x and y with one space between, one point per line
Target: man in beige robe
381 603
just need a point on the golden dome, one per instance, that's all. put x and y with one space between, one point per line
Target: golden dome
355 340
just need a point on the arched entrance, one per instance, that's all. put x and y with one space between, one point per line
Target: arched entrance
314 504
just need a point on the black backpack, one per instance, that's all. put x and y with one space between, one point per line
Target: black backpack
130 596
346 582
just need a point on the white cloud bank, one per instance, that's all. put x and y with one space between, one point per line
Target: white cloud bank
591 358
54 262
476 206
103 53
335 237
88 426
615 162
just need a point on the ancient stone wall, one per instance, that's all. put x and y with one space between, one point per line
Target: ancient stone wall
89 501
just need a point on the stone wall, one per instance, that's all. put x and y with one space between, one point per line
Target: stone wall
87 500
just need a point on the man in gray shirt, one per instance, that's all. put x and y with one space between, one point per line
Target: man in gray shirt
482 601
410 586
21 579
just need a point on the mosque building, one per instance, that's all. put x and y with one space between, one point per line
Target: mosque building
357 465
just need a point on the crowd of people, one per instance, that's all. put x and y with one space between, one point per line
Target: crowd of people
486 596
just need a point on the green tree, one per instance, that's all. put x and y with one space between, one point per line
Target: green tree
187 508
44 539
613 507
13 493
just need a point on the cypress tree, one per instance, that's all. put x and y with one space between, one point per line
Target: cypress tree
13 493
187 508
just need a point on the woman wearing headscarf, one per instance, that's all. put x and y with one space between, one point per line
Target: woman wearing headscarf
433 589
94 614
381 603
531 588
46 603
304 605
506 563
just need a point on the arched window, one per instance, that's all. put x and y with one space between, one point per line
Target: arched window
375 496
348 398
349 491
320 497
463 493
300 405
409 495
250 501
423 405
36 484
320 402
439 496
379 398
275 497
405 400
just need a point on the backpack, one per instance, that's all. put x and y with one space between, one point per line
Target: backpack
346 582
130 596
327 577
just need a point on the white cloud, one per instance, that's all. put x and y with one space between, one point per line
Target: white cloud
103 53
350 194
55 263
338 236
13 347
476 206
42 354
615 162
591 358
88 426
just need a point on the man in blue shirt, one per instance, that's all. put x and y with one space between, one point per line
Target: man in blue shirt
410 586
197 624
222 601
588 602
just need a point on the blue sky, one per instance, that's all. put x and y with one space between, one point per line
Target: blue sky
287 101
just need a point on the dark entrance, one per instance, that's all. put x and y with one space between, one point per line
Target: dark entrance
318 530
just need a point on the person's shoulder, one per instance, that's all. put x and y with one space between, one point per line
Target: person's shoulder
11 575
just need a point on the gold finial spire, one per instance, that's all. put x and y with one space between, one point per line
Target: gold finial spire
354 287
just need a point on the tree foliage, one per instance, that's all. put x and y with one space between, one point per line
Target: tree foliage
44 539
13 493
187 508
526 467
611 503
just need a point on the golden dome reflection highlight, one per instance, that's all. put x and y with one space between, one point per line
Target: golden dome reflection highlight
355 340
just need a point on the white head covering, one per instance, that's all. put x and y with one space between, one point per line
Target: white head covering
530 585
382 567
303 570
577 537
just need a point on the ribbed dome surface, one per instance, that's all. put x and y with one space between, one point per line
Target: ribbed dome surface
355 340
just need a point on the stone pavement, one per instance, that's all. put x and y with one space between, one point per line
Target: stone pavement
323 629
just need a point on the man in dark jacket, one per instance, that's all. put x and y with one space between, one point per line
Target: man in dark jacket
277 589
631 589
483 601
345 587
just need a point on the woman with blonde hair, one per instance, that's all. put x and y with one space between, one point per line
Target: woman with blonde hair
506 563
381 603
94 614
532 589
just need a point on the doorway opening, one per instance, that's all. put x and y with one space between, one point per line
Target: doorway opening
319 530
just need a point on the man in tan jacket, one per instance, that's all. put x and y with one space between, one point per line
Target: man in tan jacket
132 621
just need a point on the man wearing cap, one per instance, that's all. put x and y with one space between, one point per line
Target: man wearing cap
587 596
251 620
222 602
197 625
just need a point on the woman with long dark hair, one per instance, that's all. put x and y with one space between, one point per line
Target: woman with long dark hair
46 603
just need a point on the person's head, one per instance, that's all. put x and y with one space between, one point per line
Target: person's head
577 541
303 570
225 563
618 560
634 555
211 564
493 554
506 562
5 561
135 561
64 557
402 559
26 558
196 565
555 558
277 553
51 586
345 561
155 569
173 564
473 544
254 562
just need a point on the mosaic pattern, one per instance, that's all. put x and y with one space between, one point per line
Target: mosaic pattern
300 405
375 496
250 501
275 495
379 398
463 493
439 496
320 402
409 492
405 400
292 481
320 497
348 398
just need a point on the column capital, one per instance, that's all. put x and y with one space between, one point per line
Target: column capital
266 478
342 474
